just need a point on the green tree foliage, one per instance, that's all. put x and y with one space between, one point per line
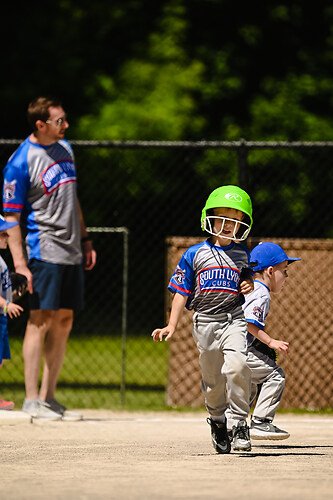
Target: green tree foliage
174 69
178 70
149 98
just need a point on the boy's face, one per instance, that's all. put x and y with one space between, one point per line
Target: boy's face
226 224
3 239
279 276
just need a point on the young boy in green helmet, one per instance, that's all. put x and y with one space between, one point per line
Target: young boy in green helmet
210 278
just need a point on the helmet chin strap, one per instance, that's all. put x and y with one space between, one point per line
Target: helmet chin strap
209 227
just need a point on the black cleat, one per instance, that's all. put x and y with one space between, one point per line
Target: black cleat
220 437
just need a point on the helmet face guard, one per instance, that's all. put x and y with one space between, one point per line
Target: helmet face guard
228 197
240 229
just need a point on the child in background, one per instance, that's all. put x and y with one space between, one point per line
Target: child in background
210 279
268 378
6 304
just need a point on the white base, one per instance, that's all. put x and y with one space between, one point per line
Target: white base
12 417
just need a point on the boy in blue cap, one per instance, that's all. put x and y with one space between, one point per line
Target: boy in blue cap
270 264
7 307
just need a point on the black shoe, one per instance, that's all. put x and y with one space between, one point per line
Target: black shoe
241 436
220 437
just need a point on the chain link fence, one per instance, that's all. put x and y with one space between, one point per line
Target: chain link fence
134 195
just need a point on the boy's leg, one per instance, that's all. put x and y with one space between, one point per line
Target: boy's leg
213 383
210 335
270 376
236 370
238 377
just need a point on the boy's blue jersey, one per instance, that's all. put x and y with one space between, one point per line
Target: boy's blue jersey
209 276
40 183
256 307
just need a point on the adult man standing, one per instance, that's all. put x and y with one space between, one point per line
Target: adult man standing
40 192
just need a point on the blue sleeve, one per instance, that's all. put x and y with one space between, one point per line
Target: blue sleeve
16 182
182 279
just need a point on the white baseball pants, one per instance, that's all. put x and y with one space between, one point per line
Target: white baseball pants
267 383
226 377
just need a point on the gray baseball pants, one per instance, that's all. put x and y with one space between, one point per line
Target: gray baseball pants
268 381
226 377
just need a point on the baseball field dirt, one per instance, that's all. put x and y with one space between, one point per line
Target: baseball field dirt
121 455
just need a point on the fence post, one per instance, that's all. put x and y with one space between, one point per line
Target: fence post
243 179
124 319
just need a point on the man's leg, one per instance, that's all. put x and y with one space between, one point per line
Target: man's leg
55 350
38 324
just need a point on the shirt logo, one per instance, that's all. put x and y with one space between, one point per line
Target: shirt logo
217 279
9 190
179 276
258 313
57 174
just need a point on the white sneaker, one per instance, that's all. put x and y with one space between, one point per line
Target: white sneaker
264 429
66 415
39 409
241 436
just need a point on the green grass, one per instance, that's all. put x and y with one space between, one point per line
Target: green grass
92 373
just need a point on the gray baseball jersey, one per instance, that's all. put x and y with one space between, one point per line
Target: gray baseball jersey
209 275
40 183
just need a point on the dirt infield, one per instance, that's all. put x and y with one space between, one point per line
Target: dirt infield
119 456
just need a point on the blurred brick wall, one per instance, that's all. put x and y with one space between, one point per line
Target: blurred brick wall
300 314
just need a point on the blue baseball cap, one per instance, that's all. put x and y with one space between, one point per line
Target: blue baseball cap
268 254
4 225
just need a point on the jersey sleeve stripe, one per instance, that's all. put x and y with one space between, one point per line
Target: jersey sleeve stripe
180 289
256 323
13 206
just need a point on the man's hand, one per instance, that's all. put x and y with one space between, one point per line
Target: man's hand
90 256
25 271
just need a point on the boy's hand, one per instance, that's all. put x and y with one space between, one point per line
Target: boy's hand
279 346
14 310
246 286
160 332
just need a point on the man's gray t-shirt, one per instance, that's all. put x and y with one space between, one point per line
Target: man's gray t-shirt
40 183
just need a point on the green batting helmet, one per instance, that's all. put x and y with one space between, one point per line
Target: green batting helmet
228 197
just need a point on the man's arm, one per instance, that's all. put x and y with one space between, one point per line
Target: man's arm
87 246
15 244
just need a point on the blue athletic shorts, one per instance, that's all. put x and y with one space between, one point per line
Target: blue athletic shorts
4 343
56 286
